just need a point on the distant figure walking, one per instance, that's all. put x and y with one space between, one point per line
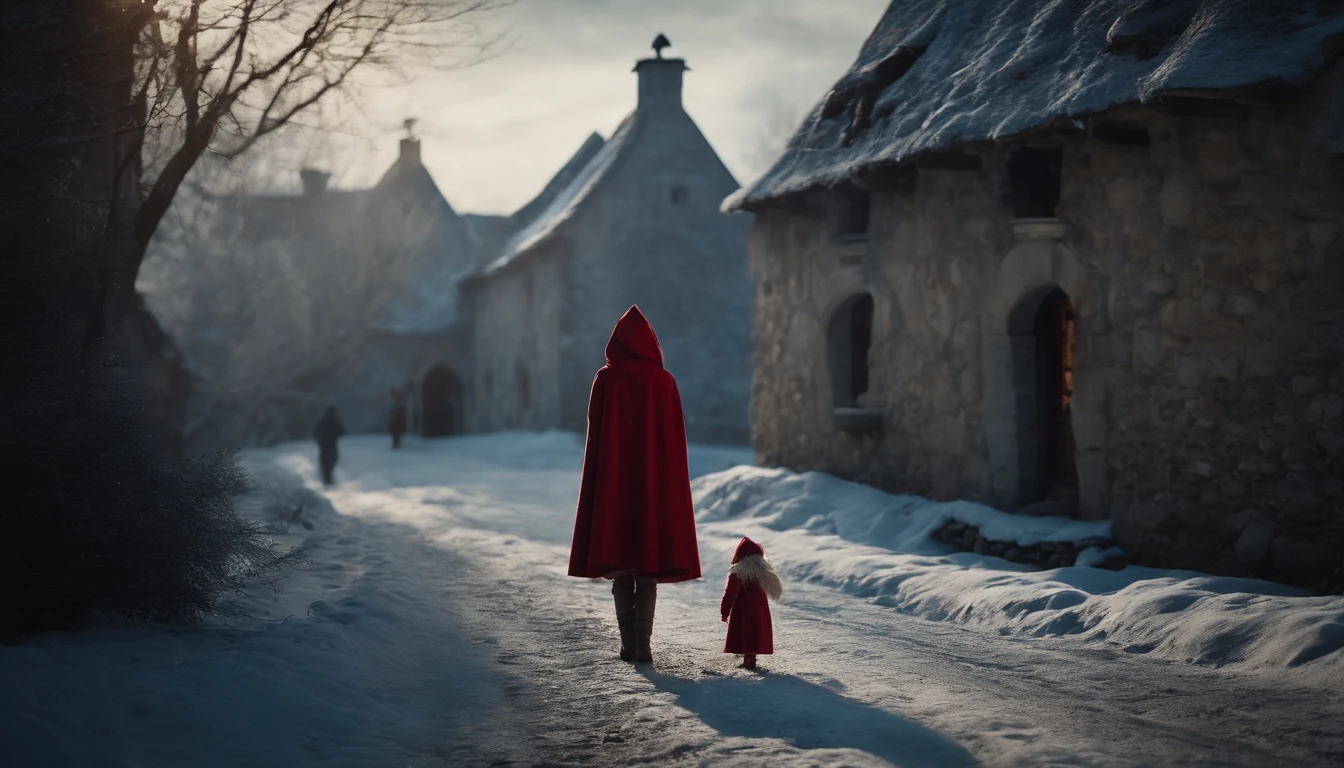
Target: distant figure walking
328 432
751 580
397 426
635 523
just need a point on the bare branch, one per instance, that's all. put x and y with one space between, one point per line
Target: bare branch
237 71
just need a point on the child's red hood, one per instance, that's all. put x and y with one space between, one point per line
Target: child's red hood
746 548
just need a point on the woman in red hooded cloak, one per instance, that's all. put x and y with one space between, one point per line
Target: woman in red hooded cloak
635 522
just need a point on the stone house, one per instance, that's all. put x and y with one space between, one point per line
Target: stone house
1074 258
405 249
632 220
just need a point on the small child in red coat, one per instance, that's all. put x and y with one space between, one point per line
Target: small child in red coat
751 579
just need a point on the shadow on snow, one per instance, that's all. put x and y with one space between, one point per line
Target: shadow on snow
809 716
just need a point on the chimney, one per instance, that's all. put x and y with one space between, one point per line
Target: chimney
410 151
660 80
314 181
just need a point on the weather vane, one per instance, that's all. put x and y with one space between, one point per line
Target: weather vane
659 43
409 125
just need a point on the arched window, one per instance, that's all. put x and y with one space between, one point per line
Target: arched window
848 339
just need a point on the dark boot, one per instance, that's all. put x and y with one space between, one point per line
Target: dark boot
748 661
646 598
623 590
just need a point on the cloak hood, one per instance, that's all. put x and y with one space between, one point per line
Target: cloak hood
634 339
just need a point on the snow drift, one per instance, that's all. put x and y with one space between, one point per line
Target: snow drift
877 546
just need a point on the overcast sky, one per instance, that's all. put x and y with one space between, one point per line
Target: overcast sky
494 133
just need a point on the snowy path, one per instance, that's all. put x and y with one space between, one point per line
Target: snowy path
436 627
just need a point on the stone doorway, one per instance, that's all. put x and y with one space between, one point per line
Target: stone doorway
1047 454
1054 489
441 397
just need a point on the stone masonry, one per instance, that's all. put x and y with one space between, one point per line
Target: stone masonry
1207 271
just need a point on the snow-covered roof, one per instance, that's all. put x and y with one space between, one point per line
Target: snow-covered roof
429 305
559 182
585 171
936 73
427 302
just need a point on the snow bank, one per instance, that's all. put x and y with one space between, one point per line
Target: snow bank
875 545
825 504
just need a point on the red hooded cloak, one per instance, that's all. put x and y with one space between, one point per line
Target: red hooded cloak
635 511
746 609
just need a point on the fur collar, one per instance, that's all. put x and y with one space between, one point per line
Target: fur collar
758 569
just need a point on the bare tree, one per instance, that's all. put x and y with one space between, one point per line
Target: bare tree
217 76
298 301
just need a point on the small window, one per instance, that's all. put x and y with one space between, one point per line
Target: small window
851 209
524 393
677 195
1034 181
850 337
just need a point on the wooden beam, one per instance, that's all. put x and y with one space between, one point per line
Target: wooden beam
1256 96
1185 105
1121 133
898 178
949 161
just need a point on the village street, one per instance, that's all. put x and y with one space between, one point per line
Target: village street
484 528
435 626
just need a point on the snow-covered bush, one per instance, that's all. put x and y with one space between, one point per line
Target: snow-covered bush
94 519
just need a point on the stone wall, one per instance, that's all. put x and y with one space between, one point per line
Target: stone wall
634 241
358 387
682 262
1207 275
516 319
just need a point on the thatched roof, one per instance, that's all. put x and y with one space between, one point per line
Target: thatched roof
935 73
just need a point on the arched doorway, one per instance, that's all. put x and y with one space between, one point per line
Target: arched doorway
441 398
1046 416
1056 475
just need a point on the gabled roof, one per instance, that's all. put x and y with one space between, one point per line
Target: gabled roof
411 181
558 183
936 73
566 194
428 298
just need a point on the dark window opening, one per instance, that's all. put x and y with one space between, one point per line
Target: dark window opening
850 337
1034 181
852 209
677 195
524 393
1054 329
